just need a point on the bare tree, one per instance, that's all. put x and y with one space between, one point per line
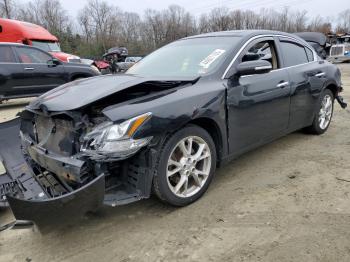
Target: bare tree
7 8
220 19
47 13
344 22
102 25
84 20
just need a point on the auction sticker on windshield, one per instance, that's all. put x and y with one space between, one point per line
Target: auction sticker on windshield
206 62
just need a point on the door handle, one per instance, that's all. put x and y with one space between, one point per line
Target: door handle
29 68
283 84
320 74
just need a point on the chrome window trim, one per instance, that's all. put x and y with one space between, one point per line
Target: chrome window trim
262 36
279 69
293 66
11 63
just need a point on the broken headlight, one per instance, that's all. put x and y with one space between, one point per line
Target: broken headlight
115 141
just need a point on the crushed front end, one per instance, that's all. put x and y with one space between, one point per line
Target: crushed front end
61 165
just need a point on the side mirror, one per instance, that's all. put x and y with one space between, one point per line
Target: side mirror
254 67
53 62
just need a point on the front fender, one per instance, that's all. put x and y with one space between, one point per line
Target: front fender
174 109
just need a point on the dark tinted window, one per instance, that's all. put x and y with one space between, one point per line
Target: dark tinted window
293 54
263 50
6 55
32 56
309 53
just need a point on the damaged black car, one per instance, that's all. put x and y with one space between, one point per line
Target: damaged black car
165 125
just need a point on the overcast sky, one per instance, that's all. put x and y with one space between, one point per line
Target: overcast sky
314 7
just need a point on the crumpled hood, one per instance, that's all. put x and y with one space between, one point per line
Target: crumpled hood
83 92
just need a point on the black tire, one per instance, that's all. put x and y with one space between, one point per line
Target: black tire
160 181
316 128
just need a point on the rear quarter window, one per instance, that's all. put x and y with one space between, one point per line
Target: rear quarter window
293 54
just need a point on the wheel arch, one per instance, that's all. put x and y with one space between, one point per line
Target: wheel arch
213 129
333 88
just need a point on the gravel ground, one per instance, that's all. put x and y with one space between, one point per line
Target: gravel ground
287 201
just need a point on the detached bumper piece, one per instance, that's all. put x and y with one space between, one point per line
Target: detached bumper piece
60 210
16 177
341 102
40 189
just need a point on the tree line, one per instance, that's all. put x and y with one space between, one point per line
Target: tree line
100 25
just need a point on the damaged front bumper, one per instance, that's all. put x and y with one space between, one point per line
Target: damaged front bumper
35 193
58 209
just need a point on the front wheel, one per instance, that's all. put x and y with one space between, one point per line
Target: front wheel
324 114
187 162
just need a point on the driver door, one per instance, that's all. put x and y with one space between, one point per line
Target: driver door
258 104
40 76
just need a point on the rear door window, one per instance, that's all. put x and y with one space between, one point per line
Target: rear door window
293 53
7 55
32 56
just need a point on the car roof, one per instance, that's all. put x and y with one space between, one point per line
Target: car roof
243 33
10 43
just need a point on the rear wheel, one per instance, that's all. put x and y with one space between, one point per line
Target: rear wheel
186 166
324 114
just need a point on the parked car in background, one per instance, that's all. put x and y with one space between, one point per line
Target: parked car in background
318 41
340 52
30 34
27 71
100 65
129 62
165 125
133 59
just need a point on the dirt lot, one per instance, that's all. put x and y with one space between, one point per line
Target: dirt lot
287 201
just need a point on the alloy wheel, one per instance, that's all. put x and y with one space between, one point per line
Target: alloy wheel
325 114
188 166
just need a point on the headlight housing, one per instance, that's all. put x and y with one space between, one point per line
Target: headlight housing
109 142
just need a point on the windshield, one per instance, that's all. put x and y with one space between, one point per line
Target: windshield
186 58
47 46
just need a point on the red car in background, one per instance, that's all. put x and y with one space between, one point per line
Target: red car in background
30 34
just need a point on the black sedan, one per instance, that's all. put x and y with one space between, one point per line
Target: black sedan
27 71
166 124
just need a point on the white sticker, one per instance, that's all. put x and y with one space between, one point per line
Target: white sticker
2 168
211 58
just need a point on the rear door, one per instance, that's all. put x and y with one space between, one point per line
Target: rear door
307 77
258 105
11 72
39 74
